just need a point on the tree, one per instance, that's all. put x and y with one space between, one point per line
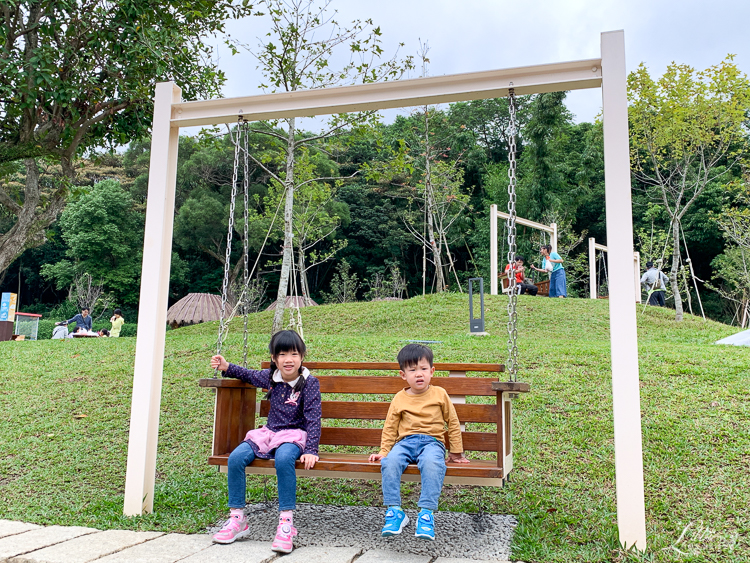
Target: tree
104 234
77 75
688 129
303 39
732 267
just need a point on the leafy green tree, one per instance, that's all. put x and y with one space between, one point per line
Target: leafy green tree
303 39
688 130
104 235
344 285
79 75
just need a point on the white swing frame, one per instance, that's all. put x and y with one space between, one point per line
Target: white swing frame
593 289
494 260
170 113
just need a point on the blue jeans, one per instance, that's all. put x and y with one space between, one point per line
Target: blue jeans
429 455
557 283
286 476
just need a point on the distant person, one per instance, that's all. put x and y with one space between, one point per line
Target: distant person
552 263
654 280
104 332
524 284
117 322
60 332
81 320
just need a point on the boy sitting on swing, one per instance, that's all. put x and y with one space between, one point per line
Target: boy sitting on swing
414 432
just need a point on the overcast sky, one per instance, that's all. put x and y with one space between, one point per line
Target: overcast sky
474 35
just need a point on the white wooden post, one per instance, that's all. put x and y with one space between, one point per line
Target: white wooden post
592 268
554 237
152 307
631 512
493 249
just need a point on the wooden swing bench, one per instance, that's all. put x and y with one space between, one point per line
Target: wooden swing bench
542 286
237 405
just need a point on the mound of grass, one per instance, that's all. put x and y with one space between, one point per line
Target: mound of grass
65 408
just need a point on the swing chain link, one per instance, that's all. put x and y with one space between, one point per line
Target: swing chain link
512 366
223 323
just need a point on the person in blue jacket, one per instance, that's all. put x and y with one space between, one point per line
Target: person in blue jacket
82 320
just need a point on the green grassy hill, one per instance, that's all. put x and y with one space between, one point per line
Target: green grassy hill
65 408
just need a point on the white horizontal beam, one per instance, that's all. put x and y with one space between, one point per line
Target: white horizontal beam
448 88
528 223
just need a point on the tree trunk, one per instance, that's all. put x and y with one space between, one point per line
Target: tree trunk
303 287
675 266
430 204
434 246
286 263
31 223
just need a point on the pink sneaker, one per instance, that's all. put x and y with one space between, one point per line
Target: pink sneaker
233 529
282 543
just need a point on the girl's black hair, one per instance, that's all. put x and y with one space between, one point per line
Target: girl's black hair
118 312
285 341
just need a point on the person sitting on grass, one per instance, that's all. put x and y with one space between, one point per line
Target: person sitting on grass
292 432
413 432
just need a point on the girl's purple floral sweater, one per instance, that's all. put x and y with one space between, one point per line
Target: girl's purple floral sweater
286 411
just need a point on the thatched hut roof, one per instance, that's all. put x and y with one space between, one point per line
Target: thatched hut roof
194 308
297 301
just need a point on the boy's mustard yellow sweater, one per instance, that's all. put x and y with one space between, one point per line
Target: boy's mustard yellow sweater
428 413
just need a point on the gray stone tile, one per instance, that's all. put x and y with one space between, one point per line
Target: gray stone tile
10 546
383 556
11 527
87 548
241 550
319 554
165 549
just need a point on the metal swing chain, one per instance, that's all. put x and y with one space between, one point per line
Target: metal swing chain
246 255
512 366
223 323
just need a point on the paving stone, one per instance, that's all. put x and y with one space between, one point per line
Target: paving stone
383 556
11 527
87 548
319 554
10 546
241 550
165 549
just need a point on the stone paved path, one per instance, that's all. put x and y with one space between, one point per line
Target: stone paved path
29 543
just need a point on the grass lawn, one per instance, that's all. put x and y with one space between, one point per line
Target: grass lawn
65 408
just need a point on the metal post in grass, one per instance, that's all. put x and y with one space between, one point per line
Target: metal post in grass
476 325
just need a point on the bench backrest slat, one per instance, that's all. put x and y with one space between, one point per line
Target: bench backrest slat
378 411
393 366
370 437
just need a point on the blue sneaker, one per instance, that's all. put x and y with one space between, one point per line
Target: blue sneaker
425 525
395 520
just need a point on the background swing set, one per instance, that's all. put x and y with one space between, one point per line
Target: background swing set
171 113
595 279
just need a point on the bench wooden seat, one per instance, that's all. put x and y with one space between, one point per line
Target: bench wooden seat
542 286
236 408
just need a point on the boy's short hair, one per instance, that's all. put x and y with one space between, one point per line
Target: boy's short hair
521 258
85 309
412 353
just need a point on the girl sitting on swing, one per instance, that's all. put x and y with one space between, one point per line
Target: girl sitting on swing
292 432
